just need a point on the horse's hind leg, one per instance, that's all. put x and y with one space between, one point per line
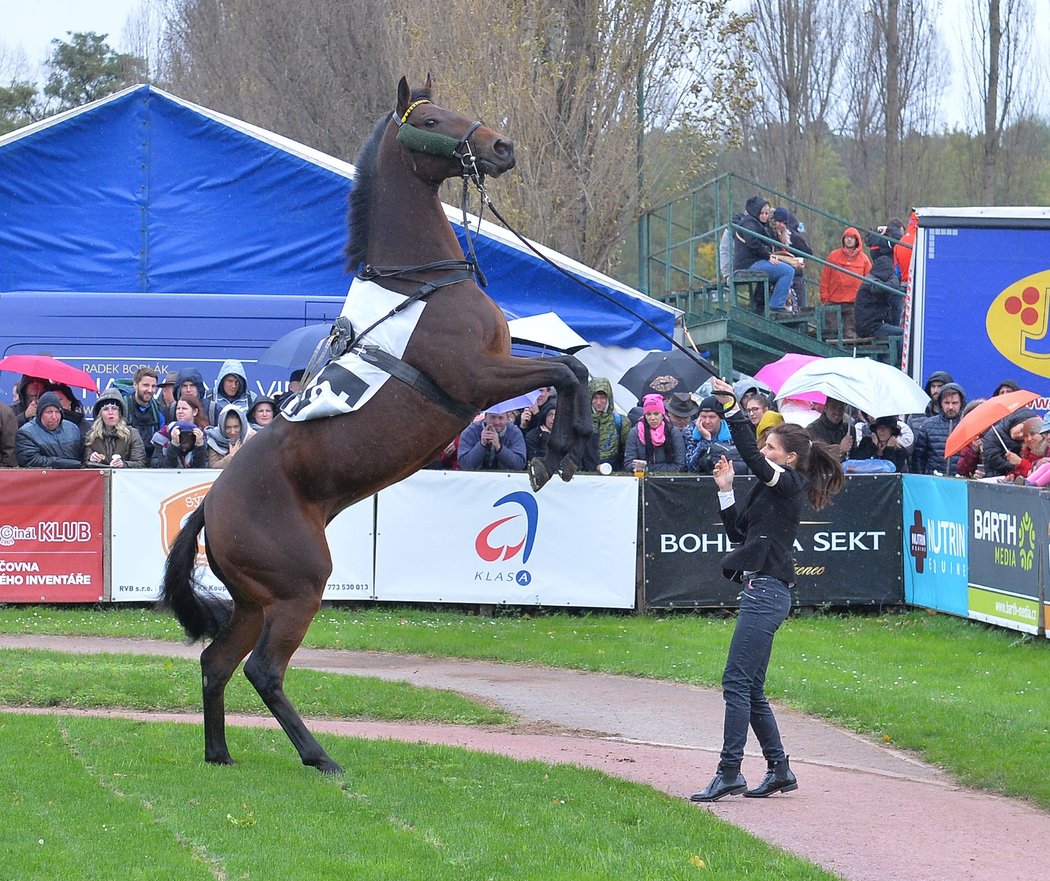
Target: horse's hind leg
284 625
218 663
568 441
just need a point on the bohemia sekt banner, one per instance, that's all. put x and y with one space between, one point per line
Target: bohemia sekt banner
51 536
847 554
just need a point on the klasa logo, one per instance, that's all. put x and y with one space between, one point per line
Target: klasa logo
1017 323
500 541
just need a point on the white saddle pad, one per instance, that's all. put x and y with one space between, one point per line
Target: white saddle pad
348 383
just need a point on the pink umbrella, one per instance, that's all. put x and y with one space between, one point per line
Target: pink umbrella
776 374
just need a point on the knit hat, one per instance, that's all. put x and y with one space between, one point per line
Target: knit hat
111 396
781 214
713 405
653 404
770 419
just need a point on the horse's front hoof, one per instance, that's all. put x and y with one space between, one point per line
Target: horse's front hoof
567 469
538 474
226 759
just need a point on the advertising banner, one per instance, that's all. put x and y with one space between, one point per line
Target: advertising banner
935 536
149 508
51 536
987 286
846 554
472 537
1007 535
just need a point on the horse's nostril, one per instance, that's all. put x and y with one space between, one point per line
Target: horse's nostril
504 149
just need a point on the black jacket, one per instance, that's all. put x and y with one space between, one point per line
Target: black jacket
875 305
767 524
747 249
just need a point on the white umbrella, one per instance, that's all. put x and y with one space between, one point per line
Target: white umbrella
547 330
876 388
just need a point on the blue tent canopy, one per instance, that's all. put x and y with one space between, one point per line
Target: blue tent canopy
144 192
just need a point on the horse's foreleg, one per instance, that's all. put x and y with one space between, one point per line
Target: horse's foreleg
284 627
565 456
218 663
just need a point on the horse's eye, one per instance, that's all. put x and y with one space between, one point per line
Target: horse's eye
430 123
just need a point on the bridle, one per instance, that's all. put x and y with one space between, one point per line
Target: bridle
421 141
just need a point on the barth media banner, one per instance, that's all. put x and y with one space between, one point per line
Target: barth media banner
149 507
846 554
51 536
935 519
471 537
1008 531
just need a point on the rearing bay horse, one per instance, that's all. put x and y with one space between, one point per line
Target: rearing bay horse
266 514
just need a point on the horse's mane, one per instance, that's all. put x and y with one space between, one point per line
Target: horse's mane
361 195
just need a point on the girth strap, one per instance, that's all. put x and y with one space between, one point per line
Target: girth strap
422 383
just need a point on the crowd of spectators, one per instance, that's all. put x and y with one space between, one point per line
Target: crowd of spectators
178 422
141 422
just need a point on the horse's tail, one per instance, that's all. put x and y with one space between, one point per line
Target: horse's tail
200 614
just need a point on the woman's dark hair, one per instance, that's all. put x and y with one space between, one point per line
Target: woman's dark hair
814 460
199 419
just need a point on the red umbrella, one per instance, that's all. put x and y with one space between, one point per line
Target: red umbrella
46 367
984 416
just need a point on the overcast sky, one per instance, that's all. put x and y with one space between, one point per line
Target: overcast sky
32 24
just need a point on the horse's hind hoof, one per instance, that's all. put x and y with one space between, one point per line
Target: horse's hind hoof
567 469
538 474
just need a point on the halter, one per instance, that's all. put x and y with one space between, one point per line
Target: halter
420 141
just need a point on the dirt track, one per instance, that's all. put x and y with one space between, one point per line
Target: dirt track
863 811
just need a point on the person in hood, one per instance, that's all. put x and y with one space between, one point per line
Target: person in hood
111 442
934 383
754 253
231 387
609 439
262 412
927 453
839 289
539 433
188 382
880 296
27 392
789 230
48 440
226 439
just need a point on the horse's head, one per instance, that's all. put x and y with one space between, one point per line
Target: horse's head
445 144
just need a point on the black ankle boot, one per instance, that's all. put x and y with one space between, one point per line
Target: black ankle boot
727 781
778 779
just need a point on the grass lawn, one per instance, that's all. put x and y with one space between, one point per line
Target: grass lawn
968 697
104 799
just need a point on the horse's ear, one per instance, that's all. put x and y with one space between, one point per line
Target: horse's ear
428 86
404 96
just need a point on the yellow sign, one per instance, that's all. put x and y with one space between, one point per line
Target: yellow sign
1017 319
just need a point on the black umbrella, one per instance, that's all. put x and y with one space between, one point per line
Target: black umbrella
666 372
296 347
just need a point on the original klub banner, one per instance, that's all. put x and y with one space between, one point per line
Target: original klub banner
51 536
469 537
149 508
849 553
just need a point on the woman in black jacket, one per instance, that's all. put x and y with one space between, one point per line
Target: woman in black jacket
789 468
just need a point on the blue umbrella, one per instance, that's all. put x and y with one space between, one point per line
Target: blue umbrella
295 349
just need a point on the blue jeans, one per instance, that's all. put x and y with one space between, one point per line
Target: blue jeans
764 604
781 275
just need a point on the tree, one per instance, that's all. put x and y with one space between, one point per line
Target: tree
86 69
574 85
1000 78
319 71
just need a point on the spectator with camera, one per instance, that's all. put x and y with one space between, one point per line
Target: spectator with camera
180 443
494 443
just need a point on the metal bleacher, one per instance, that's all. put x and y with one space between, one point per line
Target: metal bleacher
724 315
